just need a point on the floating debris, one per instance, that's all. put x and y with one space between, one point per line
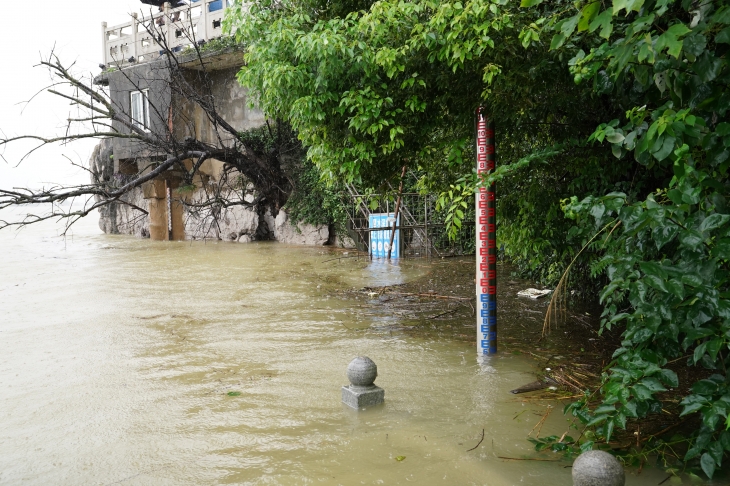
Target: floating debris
534 293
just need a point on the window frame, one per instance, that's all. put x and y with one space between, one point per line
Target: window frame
144 123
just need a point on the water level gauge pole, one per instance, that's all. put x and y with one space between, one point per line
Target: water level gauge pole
486 236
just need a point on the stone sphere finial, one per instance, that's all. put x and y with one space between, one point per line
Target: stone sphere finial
362 371
598 468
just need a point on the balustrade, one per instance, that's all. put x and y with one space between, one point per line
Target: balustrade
142 40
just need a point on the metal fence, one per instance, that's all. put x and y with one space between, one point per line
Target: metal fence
423 231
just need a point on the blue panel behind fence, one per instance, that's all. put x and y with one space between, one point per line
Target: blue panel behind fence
380 240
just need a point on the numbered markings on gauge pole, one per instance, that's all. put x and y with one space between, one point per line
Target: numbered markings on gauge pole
486 239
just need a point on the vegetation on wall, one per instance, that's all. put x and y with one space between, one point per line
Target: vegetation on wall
309 199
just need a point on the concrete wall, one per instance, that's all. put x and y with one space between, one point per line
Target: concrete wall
118 217
230 100
155 77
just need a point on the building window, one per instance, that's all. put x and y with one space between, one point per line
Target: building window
140 104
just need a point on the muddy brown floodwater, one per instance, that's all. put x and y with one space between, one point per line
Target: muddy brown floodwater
133 362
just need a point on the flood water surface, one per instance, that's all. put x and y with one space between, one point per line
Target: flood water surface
133 362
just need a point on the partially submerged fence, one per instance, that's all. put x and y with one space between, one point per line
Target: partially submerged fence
422 228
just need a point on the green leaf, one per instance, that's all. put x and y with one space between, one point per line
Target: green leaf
704 387
708 67
669 378
722 129
587 15
653 269
695 44
664 234
708 464
714 346
605 22
722 16
666 148
655 282
675 287
566 30
609 429
653 385
530 3
641 392
716 451
619 5
690 239
615 137
714 221
557 41
691 408
630 409
723 37
699 352
597 419
670 39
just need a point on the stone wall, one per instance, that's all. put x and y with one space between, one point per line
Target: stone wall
235 223
238 223
231 102
118 217
301 234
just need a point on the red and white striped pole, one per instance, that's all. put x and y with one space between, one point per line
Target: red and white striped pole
486 235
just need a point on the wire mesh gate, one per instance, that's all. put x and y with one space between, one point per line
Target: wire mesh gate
423 230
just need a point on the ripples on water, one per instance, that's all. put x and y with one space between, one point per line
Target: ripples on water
127 361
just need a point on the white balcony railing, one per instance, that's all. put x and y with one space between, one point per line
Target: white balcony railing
140 41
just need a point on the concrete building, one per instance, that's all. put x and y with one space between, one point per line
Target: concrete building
138 75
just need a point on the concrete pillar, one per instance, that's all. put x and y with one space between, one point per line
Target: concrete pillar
104 39
156 191
178 225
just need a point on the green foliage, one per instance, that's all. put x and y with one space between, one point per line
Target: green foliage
666 258
613 114
261 140
186 189
566 445
309 198
218 44
455 202
313 201
360 89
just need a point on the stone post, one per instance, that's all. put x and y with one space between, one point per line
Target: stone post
103 43
361 392
203 21
168 20
134 36
598 468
